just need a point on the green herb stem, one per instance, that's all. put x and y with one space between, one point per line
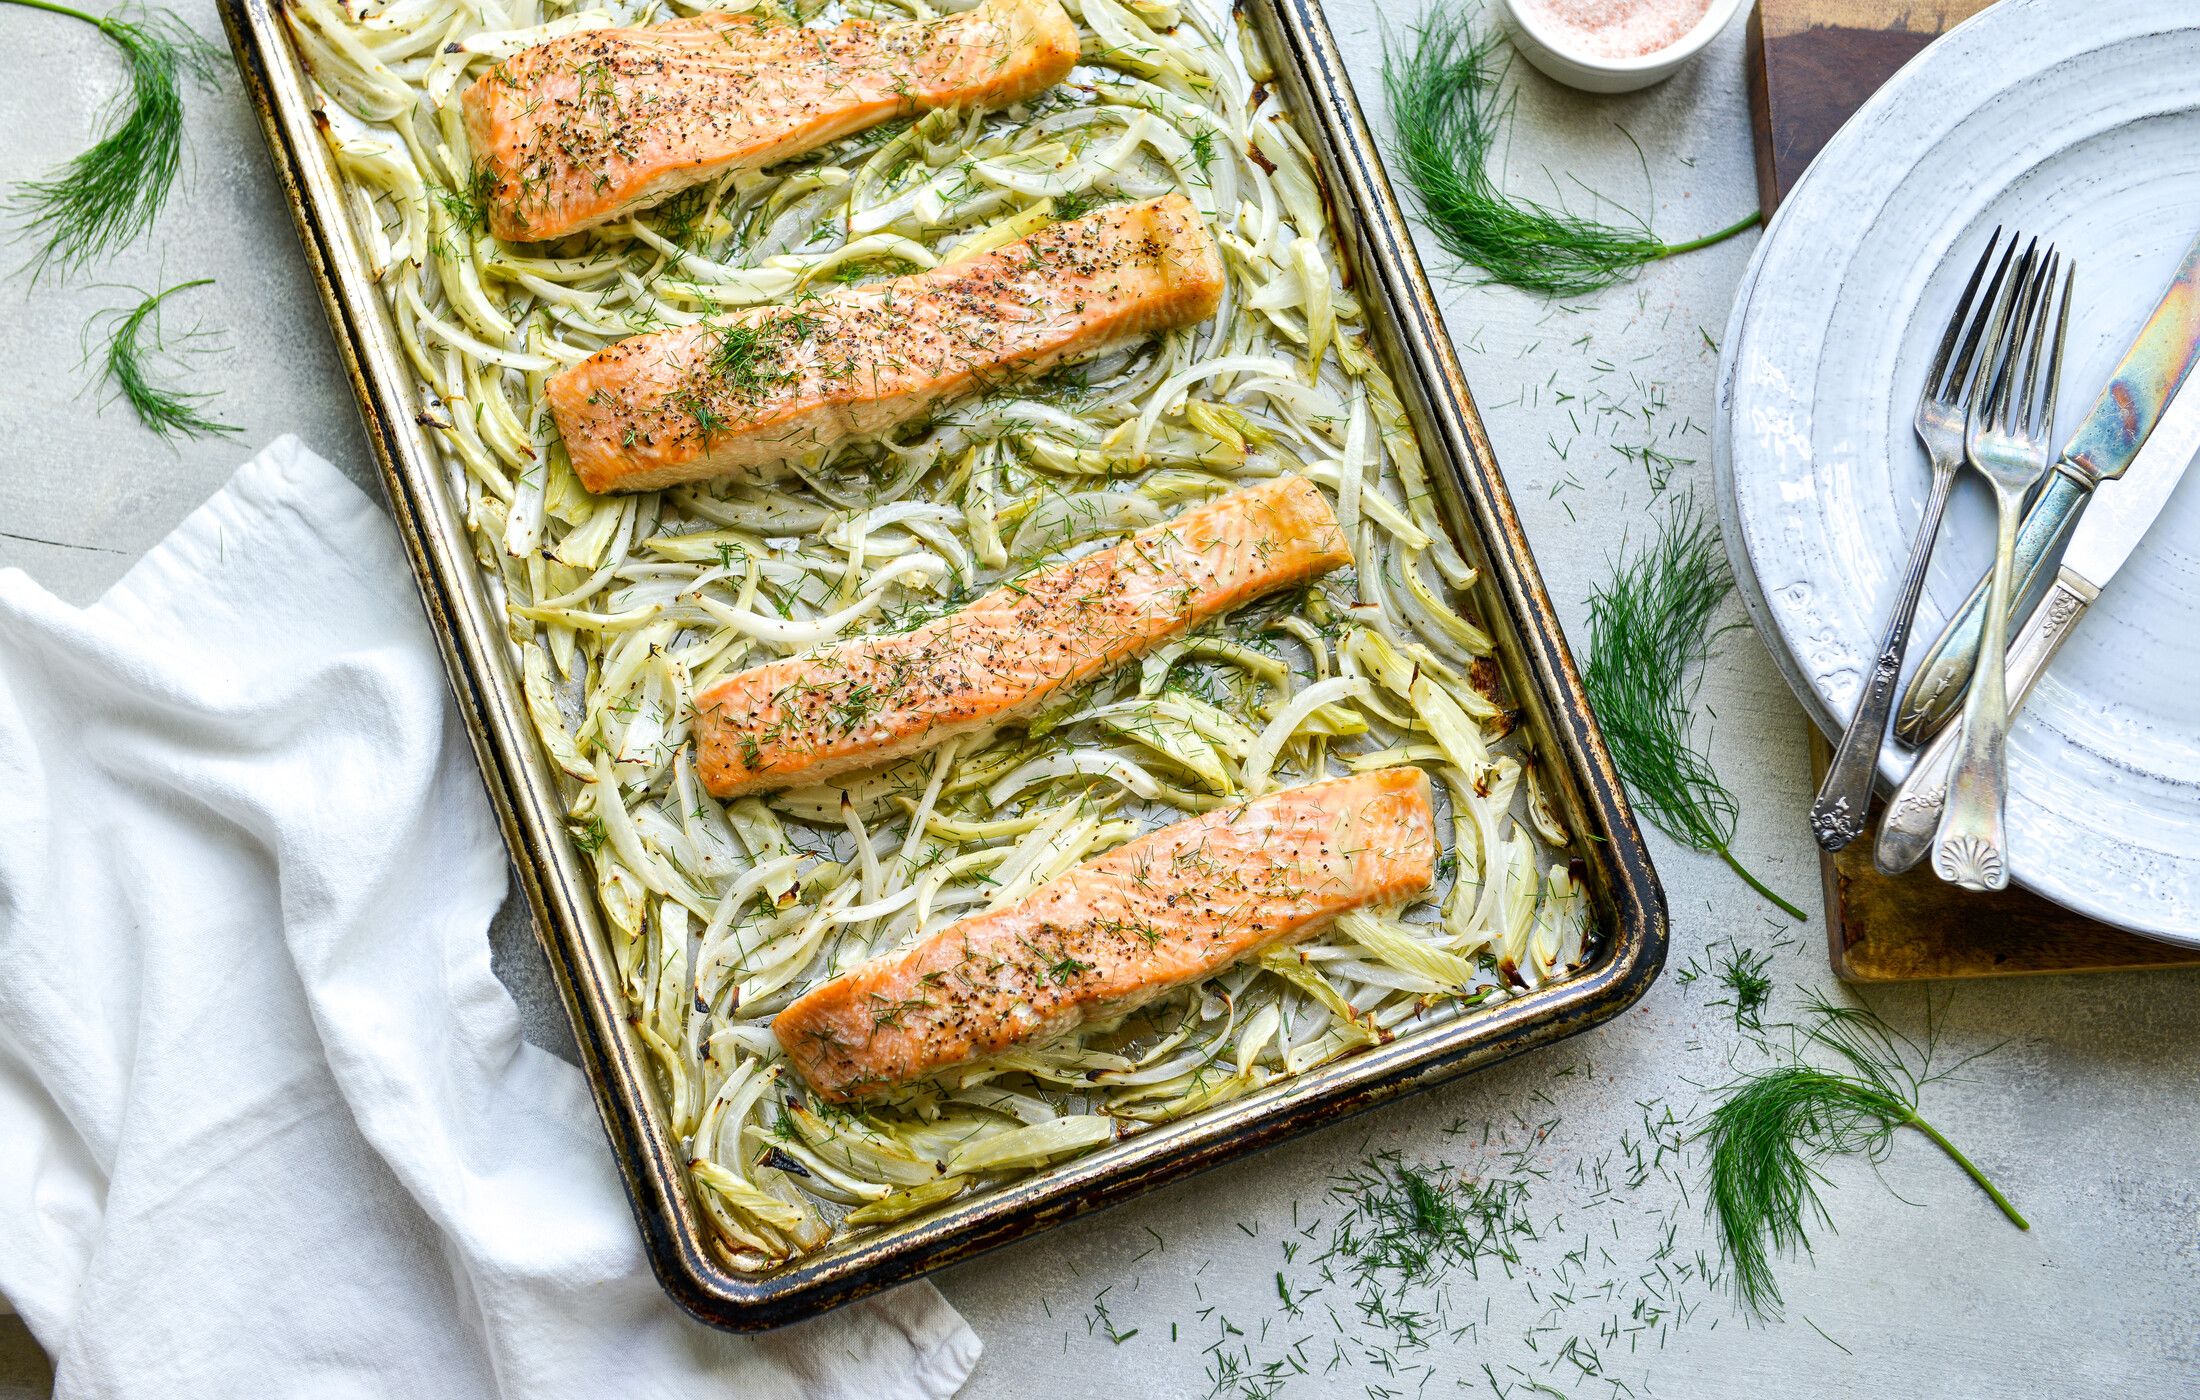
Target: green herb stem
1741 225
1758 885
1955 1153
50 8
1450 121
109 195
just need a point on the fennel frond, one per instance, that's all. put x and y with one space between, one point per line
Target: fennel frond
1443 92
1773 1129
133 337
1649 632
105 197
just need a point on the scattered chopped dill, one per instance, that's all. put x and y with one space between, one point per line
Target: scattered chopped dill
105 197
134 337
850 273
1098 1321
1657 466
469 207
745 357
680 219
1062 387
1203 149
1649 633
590 839
1443 90
1428 1260
1078 203
1405 1224
1742 973
1772 1130
707 419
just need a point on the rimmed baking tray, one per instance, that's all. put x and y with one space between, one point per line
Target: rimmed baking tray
1409 334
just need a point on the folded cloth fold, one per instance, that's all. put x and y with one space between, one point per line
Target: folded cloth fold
267 1125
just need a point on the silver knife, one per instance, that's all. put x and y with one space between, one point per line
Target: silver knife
2115 429
2122 510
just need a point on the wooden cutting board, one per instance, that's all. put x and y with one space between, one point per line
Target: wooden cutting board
1811 64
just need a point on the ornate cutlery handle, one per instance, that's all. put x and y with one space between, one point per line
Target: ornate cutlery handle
1971 848
1844 799
1906 832
1938 685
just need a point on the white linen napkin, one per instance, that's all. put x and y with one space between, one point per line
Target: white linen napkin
267 1125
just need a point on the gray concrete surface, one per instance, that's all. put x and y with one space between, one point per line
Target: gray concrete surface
2084 1113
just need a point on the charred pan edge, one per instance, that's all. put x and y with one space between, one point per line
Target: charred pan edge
1540 670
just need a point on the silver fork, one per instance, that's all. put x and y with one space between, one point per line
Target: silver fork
2008 438
1837 815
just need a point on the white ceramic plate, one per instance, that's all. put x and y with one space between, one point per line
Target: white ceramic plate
2078 120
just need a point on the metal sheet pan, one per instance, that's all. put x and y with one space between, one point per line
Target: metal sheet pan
1408 333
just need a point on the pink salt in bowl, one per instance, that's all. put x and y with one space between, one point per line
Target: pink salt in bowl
1613 45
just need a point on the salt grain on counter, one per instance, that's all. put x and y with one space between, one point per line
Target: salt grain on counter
1613 28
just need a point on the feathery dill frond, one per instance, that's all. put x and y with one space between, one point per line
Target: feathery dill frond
134 336
105 197
1649 633
1450 122
1772 1130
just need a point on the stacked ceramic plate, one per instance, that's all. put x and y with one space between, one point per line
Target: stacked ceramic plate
2077 120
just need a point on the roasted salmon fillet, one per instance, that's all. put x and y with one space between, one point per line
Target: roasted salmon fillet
769 385
580 130
1113 933
869 700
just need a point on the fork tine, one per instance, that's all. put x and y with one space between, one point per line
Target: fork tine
2014 390
1961 318
1990 365
2046 425
2033 386
1995 363
1953 391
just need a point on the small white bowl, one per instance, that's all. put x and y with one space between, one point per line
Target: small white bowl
1593 74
